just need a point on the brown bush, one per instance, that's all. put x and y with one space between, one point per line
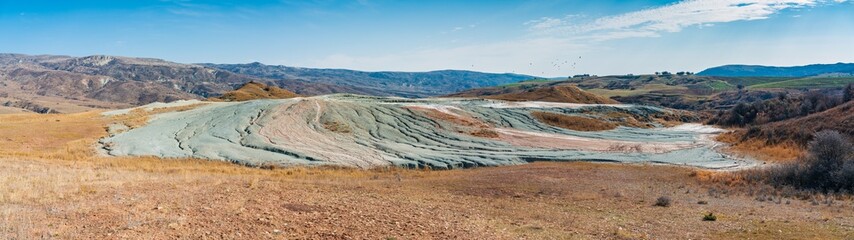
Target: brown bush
828 167
662 201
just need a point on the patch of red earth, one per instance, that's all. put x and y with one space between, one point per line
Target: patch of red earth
463 123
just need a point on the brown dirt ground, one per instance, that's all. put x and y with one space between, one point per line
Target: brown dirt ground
536 201
70 193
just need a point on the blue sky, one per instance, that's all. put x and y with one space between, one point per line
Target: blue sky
544 37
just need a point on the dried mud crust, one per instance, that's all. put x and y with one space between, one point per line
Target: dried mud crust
367 132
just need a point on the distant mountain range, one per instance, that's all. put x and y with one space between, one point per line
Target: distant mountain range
838 69
111 81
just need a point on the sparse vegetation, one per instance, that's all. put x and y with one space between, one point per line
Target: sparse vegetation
779 128
336 126
787 139
776 109
828 167
139 117
573 122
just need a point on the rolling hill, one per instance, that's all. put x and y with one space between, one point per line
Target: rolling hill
838 69
402 84
566 93
254 90
687 92
50 83
104 81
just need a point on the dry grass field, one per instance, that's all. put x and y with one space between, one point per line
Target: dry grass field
56 187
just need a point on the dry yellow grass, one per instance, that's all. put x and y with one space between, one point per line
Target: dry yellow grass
755 148
53 136
64 136
140 116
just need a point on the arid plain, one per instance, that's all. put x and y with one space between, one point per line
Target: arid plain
57 186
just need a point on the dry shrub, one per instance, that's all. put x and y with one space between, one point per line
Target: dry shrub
485 133
710 217
573 122
662 201
828 167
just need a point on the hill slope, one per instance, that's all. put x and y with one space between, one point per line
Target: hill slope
402 84
801 129
838 69
566 93
71 84
787 139
100 80
254 90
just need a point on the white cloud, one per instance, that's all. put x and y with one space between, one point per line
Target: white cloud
670 18
460 28
544 23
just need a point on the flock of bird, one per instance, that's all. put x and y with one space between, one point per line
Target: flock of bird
558 64
555 64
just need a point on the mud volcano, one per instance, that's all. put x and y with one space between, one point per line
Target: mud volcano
365 132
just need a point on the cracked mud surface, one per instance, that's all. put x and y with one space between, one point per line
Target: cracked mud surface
366 132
